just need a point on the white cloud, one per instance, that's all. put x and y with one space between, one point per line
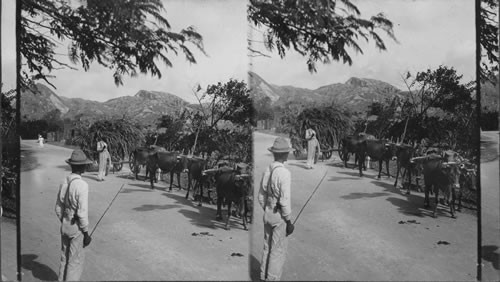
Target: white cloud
8 47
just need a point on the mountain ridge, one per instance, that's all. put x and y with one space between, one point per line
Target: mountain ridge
356 93
145 106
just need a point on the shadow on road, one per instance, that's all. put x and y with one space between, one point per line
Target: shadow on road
145 186
336 178
254 268
202 217
387 186
354 196
38 270
338 164
407 207
355 174
155 207
490 253
128 190
205 216
28 161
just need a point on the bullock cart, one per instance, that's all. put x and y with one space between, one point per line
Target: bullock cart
326 148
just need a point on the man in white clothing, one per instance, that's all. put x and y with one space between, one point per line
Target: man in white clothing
72 211
103 150
312 147
275 198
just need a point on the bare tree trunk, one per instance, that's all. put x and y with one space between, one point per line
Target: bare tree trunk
196 139
404 132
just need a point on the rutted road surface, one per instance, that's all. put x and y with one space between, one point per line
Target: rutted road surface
364 229
145 235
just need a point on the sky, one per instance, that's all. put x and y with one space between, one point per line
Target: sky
430 33
222 23
8 45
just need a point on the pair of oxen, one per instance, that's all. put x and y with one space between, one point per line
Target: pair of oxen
444 171
231 183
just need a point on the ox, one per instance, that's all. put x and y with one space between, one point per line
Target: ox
195 169
232 186
441 173
351 144
167 162
378 150
404 154
141 155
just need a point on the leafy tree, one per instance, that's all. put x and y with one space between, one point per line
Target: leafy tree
126 36
263 109
320 30
441 108
31 128
54 120
229 101
488 39
288 115
174 131
381 117
224 115
10 152
440 88
122 136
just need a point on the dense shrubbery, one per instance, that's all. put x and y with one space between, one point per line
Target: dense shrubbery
10 154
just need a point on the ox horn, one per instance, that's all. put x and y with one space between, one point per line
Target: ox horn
447 164
412 160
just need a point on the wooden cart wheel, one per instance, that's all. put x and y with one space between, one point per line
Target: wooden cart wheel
327 154
117 164
343 157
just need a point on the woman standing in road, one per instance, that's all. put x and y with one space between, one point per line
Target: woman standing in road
40 140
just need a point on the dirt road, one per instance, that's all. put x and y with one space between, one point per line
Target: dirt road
490 206
145 235
364 229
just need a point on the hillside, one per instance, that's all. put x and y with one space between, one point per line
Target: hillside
145 106
356 93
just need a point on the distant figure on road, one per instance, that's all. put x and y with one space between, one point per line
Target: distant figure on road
103 150
275 198
40 140
312 146
72 211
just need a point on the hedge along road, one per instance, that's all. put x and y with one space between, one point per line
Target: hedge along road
145 235
364 229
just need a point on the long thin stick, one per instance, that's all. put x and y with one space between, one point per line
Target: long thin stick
317 186
106 209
